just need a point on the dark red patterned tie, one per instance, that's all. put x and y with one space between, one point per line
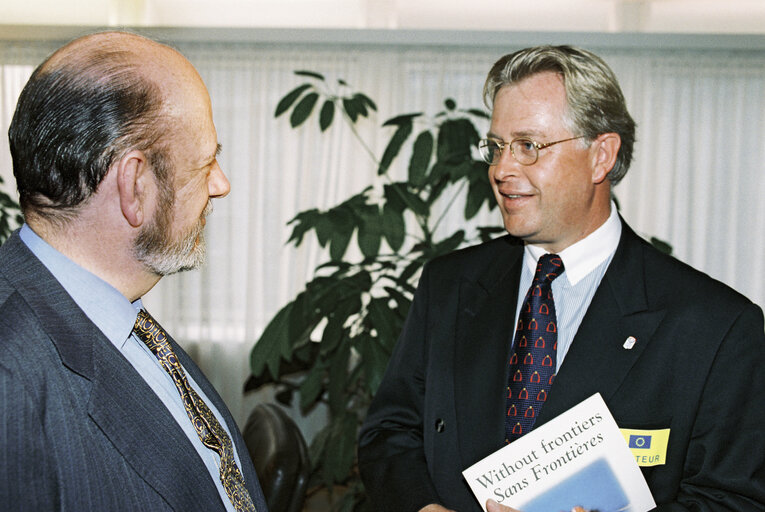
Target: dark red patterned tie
533 362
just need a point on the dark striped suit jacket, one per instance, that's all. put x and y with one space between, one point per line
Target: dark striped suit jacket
80 429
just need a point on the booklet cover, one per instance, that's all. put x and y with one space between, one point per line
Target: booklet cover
577 461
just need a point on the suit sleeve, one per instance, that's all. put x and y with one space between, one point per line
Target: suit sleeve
26 479
391 449
725 463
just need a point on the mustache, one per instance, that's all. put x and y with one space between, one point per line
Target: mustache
208 208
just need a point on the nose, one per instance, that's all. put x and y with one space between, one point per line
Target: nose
506 167
217 183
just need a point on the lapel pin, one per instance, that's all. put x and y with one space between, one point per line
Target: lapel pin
629 342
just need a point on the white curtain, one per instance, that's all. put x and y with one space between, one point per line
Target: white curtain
696 182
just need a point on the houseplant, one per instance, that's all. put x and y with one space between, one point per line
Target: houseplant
331 343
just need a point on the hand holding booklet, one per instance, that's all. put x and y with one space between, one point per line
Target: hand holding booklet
577 461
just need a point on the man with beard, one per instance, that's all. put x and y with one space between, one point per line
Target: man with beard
115 157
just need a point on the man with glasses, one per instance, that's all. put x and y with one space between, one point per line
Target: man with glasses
665 345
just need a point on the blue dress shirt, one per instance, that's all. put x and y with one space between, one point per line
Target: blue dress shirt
585 263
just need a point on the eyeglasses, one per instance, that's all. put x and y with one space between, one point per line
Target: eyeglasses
525 151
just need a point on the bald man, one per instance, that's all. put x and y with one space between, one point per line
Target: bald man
115 157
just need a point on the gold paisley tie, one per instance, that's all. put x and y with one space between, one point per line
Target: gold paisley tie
207 426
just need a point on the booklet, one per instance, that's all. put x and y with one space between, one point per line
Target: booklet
578 461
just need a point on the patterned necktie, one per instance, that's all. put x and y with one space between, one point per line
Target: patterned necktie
207 426
533 363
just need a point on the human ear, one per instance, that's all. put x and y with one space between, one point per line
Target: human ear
605 149
132 174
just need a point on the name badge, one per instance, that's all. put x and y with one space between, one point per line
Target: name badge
649 447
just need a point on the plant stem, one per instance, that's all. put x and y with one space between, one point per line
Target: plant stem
449 204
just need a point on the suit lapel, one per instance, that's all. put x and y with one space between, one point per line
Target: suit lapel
141 428
121 404
598 360
484 328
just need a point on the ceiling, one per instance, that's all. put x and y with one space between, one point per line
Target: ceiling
636 16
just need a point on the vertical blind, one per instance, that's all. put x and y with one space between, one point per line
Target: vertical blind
697 180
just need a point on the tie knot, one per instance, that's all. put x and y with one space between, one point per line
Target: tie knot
148 330
549 267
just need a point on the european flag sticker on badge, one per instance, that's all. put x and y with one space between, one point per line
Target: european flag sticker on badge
649 447
642 442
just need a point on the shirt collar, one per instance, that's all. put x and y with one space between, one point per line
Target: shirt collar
103 304
582 257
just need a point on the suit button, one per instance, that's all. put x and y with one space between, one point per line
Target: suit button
440 425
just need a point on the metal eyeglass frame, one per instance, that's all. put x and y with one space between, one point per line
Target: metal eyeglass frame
483 143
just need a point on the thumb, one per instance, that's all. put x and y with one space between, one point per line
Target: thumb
493 506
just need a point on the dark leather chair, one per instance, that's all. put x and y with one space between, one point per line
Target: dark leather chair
280 455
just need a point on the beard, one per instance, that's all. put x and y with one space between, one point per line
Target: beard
156 248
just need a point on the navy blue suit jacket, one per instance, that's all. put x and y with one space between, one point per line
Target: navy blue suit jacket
697 368
80 429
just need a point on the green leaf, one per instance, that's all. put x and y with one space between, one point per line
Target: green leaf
326 115
402 119
661 245
342 226
304 222
339 244
393 226
351 109
338 294
312 74
479 190
338 378
414 203
455 140
402 301
370 233
474 201
312 387
486 233
333 333
342 448
374 360
422 152
367 101
360 104
323 228
394 196
394 146
409 271
290 98
303 109
276 341
449 244
384 321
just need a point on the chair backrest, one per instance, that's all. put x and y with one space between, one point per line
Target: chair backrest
280 455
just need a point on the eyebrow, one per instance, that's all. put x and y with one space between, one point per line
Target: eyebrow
516 135
210 159
218 150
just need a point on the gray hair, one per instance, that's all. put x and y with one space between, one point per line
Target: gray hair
595 101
